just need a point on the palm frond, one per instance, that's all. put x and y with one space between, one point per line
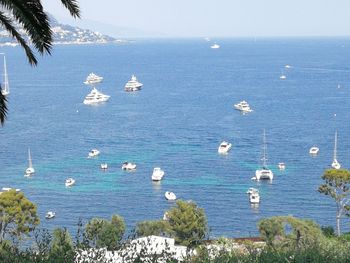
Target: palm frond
3 108
8 25
73 7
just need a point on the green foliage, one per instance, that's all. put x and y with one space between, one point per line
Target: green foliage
18 216
328 231
337 186
103 233
62 246
149 228
303 234
188 223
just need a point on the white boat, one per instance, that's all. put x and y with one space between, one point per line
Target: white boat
157 174
215 46
6 189
128 166
5 88
281 166
95 97
314 150
50 215
252 190
170 196
30 170
104 166
224 147
242 106
335 163
69 182
94 152
133 84
287 66
254 198
283 76
264 172
92 78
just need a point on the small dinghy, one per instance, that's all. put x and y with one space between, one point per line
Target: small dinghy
170 195
128 166
104 166
70 182
50 215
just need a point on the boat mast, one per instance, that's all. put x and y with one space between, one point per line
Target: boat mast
29 159
264 158
335 145
6 80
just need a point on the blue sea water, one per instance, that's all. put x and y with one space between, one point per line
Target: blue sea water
177 122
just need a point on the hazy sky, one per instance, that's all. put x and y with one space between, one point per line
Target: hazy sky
227 18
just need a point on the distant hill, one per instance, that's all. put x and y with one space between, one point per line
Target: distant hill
64 34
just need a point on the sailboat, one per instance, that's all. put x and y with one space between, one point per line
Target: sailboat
264 172
335 163
5 90
30 170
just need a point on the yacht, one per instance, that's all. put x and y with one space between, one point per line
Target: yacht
287 66
104 166
283 76
170 196
314 150
128 166
92 78
252 190
224 147
335 163
50 215
215 46
94 152
69 182
254 198
95 97
30 170
243 106
281 166
5 89
157 174
264 172
133 84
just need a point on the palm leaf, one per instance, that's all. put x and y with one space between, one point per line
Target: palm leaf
3 108
72 6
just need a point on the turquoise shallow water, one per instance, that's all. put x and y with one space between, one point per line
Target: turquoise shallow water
177 122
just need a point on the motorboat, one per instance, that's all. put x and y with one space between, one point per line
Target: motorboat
314 150
157 174
7 189
69 182
281 166
254 198
224 147
264 172
287 66
170 196
30 170
335 163
128 166
104 166
215 46
94 153
133 84
252 190
5 87
50 215
242 106
95 97
92 78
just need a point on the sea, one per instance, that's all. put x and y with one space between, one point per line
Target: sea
176 122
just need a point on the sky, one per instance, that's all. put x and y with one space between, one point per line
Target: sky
212 18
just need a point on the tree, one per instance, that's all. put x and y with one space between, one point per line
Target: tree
150 228
62 246
188 222
35 23
104 233
337 186
18 215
